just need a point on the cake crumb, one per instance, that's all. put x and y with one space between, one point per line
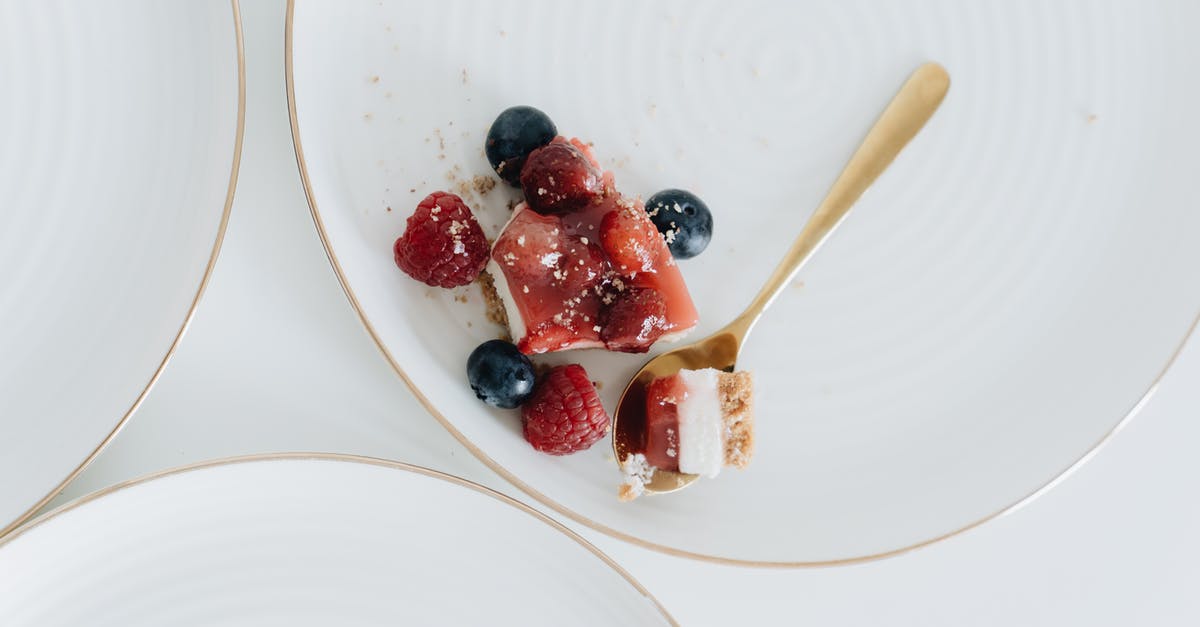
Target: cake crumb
1091 118
375 79
367 117
482 184
493 305
389 209
638 472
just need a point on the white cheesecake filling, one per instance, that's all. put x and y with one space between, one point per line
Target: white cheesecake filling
675 336
701 446
516 324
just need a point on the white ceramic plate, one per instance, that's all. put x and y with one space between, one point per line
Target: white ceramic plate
309 540
990 312
122 124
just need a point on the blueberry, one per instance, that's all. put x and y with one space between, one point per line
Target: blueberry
516 132
683 219
499 374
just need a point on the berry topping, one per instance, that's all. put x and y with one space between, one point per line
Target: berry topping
442 245
547 337
542 253
564 415
499 374
630 239
663 397
559 178
634 320
516 132
683 219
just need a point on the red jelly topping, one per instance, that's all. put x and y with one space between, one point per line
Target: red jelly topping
662 422
565 275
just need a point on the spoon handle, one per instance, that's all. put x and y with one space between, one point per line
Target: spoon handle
900 121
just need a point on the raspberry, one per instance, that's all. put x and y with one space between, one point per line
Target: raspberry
564 415
442 245
559 178
630 239
634 320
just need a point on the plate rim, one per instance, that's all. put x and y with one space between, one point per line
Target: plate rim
7 529
507 475
346 458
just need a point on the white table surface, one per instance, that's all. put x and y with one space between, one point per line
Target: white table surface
276 360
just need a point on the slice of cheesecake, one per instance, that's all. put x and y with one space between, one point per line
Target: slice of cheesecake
597 277
697 422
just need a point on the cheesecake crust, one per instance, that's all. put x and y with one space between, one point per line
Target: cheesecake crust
491 301
736 392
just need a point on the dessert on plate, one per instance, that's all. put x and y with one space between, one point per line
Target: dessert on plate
599 277
579 265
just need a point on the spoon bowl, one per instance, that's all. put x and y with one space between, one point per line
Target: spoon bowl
904 116
719 350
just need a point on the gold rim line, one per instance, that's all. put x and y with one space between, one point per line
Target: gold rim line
212 260
349 459
579 518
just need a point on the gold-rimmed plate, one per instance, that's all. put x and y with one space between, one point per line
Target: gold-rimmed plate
309 539
122 133
1003 299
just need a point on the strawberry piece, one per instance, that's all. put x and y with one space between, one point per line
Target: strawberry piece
548 337
630 239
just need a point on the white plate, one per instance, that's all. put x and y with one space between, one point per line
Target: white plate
309 540
990 312
122 125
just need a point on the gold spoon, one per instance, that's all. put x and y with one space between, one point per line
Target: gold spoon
900 121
